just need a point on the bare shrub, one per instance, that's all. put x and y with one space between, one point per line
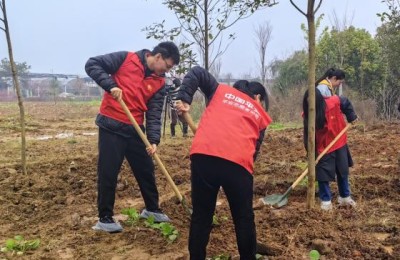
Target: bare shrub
364 108
287 108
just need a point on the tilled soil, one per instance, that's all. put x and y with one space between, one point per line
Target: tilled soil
56 201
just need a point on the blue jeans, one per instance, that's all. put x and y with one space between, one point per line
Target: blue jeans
343 186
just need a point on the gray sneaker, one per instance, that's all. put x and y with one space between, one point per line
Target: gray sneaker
108 224
158 217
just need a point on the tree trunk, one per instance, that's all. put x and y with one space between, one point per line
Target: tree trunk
311 105
17 88
206 35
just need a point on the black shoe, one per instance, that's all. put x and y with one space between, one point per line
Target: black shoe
107 220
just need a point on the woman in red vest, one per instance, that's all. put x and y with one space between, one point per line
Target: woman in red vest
336 162
230 131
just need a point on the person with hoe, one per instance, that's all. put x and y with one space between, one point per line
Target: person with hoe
228 137
138 79
329 123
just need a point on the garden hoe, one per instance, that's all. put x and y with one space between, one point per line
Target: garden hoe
277 200
188 119
160 164
190 122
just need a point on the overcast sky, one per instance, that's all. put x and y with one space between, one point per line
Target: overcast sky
59 36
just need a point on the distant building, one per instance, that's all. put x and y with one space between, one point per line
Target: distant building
46 85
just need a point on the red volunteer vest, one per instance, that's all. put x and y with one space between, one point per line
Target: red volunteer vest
136 91
230 127
334 124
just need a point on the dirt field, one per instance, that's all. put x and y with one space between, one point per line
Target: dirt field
56 201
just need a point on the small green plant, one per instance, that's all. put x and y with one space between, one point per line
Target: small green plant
217 221
133 216
314 255
167 230
304 183
19 246
221 257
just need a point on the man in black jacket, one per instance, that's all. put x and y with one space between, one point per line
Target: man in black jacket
138 79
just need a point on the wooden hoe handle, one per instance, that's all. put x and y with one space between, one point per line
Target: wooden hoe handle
147 143
321 154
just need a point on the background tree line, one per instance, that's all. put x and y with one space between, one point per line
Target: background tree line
372 64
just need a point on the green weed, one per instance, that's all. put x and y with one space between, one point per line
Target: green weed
304 183
133 216
72 141
282 126
217 221
314 255
301 165
221 257
19 245
168 231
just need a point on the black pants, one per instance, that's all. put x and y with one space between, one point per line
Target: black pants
112 150
208 175
174 121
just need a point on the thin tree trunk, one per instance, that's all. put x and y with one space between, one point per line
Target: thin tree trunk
311 105
206 50
17 88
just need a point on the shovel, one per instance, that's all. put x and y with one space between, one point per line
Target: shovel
278 200
160 164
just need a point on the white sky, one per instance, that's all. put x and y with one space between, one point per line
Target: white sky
60 35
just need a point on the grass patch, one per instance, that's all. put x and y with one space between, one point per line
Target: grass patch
282 126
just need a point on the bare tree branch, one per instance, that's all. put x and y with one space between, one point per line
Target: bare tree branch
319 5
298 9
263 36
3 29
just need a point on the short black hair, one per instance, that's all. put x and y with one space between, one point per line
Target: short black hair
167 50
251 89
258 89
243 86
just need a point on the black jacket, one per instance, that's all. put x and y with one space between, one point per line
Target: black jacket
100 68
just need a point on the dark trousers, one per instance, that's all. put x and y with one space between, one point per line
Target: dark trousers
343 186
174 121
334 165
208 175
113 148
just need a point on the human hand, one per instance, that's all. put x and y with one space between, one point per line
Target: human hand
181 106
355 121
116 93
151 150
